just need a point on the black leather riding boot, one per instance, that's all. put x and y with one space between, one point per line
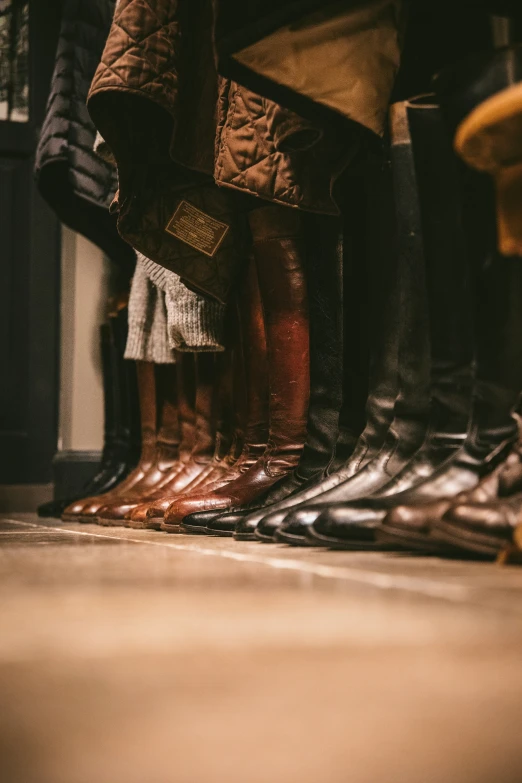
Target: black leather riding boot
434 168
117 456
492 430
384 330
410 311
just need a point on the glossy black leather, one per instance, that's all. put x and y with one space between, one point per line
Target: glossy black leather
425 152
498 381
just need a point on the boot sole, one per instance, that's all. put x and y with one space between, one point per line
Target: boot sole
110 522
405 539
288 538
149 524
316 539
165 528
220 533
196 530
458 538
264 539
238 536
76 518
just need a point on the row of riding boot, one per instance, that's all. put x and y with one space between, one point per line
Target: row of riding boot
375 362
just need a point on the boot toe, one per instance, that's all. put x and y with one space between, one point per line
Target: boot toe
184 507
54 509
417 519
198 521
157 509
346 526
295 525
115 514
90 510
268 526
225 524
75 509
138 517
246 526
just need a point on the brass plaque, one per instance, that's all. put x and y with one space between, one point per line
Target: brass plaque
196 228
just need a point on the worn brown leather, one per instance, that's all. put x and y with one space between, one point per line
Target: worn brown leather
169 472
229 441
279 257
85 509
162 404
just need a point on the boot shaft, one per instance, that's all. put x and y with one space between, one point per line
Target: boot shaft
206 407
148 414
168 425
112 425
126 399
254 365
497 280
447 269
323 240
279 253
374 221
186 382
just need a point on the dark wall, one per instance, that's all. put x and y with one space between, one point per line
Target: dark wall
29 279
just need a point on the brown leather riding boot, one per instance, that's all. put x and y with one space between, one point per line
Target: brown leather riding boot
279 257
250 397
186 384
85 510
226 453
159 479
167 463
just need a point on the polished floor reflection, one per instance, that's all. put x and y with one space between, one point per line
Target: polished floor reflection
141 657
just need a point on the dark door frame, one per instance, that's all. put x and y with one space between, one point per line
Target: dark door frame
28 443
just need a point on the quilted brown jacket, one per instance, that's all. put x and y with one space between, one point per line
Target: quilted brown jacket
175 129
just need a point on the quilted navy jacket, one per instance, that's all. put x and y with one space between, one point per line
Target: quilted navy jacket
76 183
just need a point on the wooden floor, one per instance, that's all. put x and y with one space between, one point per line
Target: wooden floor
140 657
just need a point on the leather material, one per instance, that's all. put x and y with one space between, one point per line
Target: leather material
279 257
479 528
221 469
410 527
340 524
185 381
86 509
169 471
427 156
